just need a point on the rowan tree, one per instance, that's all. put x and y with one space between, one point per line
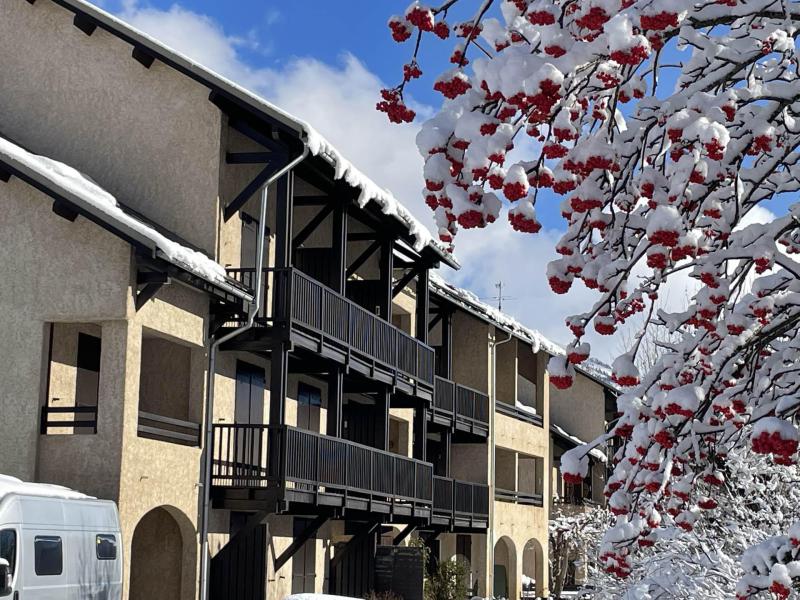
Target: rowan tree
667 130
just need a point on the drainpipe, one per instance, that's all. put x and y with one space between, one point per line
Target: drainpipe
494 344
252 311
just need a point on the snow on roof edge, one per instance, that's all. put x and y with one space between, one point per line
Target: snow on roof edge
318 144
74 185
595 369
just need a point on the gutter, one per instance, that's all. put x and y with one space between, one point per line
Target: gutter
254 307
494 344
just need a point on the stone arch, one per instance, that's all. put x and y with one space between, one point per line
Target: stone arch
163 558
533 567
505 569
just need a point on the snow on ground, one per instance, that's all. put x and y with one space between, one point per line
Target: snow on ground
12 485
68 181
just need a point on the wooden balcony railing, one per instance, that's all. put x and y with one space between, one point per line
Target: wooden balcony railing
518 497
512 411
80 419
261 456
287 459
461 402
460 499
304 302
167 429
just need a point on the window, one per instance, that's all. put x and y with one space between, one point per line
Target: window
8 548
47 555
106 547
309 401
308 394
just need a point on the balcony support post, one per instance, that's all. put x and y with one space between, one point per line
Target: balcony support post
447 440
335 398
447 345
387 272
423 306
283 226
279 374
382 419
420 433
339 247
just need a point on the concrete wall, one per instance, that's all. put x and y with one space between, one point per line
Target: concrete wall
148 136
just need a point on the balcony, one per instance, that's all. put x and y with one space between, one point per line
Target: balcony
460 406
464 504
330 324
268 467
518 497
520 414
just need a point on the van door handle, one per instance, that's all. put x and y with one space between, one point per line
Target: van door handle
16 595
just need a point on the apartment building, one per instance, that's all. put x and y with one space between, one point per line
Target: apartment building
365 405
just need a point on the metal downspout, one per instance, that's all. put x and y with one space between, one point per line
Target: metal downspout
494 344
253 309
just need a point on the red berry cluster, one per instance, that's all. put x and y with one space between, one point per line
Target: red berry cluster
392 105
441 30
471 219
594 19
452 88
632 56
421 17
773 443
541 17
411 71
715 150
559 286
564 382
524 224
659 22
400 32
665 237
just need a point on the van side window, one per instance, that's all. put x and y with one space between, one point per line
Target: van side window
106 546
8 548
48 559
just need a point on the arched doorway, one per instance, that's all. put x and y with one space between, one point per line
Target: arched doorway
157 557
533 573
505 569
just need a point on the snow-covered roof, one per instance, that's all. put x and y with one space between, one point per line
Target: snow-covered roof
591 367
80 190
317 144
12 485
595 453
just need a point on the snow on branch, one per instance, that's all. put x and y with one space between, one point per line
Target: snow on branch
669 132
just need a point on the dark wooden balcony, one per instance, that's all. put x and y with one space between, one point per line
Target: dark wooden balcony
464 504
522 415
167 429
459 406
328 323
285 469
518 497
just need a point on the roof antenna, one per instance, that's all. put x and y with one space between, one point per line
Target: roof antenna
499 297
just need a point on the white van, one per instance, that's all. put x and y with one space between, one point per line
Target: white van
56 544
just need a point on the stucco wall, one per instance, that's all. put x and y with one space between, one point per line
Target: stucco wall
148 136
471 358
62 272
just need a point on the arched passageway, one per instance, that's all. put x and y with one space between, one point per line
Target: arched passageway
157 557
533 571
505 569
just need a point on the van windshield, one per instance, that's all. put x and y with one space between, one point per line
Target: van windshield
8 547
